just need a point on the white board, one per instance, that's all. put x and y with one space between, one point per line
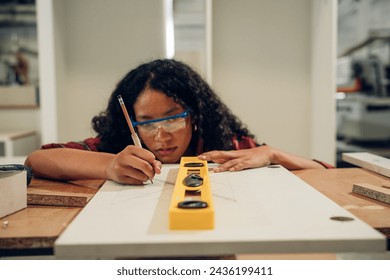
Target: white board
369 161
263 210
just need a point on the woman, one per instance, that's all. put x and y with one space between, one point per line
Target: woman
176 114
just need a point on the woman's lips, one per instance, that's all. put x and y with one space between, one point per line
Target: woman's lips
166 151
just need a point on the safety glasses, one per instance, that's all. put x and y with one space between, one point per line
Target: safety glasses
169 124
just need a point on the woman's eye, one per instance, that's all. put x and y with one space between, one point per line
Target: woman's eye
173 120
146 125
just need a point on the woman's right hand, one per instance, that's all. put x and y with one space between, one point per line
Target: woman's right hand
133 165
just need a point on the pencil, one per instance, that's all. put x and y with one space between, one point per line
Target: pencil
134 135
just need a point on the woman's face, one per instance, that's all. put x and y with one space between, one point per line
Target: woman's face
168 139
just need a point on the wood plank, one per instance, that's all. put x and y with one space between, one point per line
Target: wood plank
337 184
35 227
369 161
379 193
60 193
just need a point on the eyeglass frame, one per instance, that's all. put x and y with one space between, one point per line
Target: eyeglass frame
177 116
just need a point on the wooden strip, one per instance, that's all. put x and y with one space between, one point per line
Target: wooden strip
57 200
374 192
369 161
59 193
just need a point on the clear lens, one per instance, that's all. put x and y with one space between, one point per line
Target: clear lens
170 125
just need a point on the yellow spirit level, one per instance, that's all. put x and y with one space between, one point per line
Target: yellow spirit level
191 205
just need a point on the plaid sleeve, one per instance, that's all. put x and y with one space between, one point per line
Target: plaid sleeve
245 142
89 144
324 164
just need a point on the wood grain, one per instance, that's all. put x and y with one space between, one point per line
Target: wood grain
35 227
52 205
337 184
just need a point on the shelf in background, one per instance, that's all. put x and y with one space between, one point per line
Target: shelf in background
19 97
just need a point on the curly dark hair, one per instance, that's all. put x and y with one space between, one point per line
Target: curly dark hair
215 123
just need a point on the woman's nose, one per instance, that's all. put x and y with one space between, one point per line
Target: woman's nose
162 134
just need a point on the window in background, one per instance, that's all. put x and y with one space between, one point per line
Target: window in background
190 25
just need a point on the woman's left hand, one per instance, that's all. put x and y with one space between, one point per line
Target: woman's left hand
236 160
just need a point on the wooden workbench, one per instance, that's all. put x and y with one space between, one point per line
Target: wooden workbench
33 230
52 205
337 185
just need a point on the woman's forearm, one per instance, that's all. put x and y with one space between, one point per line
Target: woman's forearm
291 161
69 164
